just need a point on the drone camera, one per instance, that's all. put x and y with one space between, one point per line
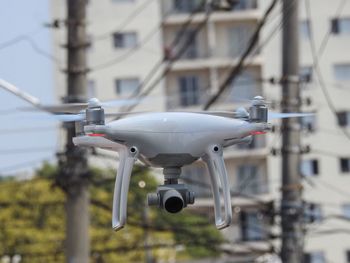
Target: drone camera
173 201
171 197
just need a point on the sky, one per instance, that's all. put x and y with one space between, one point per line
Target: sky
25 141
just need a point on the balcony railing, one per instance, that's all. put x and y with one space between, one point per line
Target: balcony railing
189 6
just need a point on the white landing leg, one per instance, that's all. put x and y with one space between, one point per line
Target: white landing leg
127 157
217 171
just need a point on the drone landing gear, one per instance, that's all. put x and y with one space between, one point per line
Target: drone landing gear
127 157
216 166
171 196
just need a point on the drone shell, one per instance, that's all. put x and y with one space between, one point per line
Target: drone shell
178 138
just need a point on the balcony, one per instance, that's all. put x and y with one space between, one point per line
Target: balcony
176 12
204 51
191 94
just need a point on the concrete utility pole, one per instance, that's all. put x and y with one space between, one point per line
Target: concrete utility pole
73 177
291 205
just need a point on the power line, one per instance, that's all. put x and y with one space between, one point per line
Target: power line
128 20
32 44
26 150
265 42
164 73
326 37
333 188
127 54
145 40
316 67
237 69
27 130
177 56
19 38
23 165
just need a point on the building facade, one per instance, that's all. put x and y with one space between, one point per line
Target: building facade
132 40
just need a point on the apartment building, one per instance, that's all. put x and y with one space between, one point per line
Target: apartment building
121 56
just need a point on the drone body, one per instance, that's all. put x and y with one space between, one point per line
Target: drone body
173 139
169 140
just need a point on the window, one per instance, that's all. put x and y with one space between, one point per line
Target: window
186 6
252 226
344 165
308 123
343 118
244 4
309 168
314 257
305 74
238 38
342 72
189 90
312 213
346 210
305 29
125 40
125 87
340 26
250 180
244 87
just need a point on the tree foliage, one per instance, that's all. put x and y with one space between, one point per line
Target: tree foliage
32 222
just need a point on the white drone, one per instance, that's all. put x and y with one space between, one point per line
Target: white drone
169 140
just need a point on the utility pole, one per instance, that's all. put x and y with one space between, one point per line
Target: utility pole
73 175
291 205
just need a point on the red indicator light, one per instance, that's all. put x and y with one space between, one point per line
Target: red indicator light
257 132
96 134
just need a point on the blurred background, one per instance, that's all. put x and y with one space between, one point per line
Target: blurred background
178 54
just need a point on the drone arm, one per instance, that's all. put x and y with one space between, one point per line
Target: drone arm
127 157
216 165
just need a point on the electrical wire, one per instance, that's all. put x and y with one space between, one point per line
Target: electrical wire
137 11
127 54
265 42
23 165
142 94
238 68
27 130
28 39
326 37
26 150
131 51
332 187
166 71
317 70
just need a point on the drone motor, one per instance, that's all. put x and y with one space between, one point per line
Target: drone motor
258 112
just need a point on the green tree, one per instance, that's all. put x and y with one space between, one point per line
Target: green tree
32 221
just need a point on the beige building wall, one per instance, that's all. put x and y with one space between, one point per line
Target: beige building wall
210 65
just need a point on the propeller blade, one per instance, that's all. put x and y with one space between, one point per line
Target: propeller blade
68 117
120 102
77 107
58 117
64 108
280 115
